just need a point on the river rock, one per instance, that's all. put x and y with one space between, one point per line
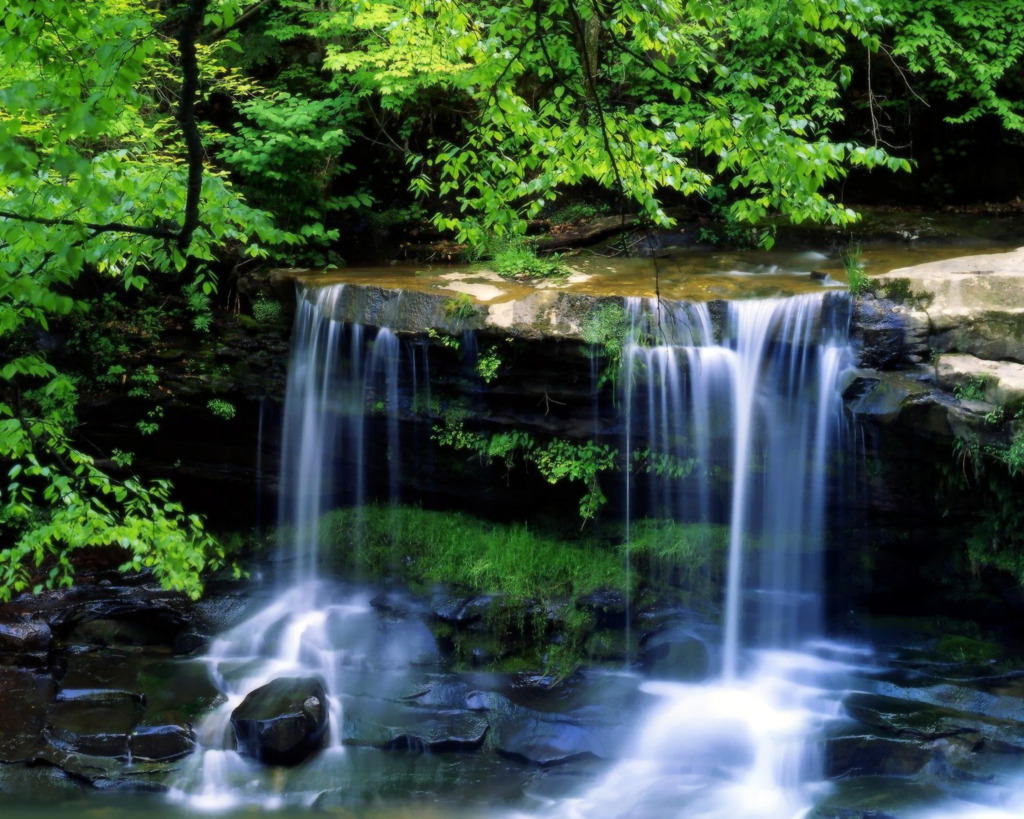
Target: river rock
161 743
24 698
675 654
971 304
394 726
26 637
608 606
282 722
867 755
96 730
546 739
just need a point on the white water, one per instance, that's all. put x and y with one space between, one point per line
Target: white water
758 401
761 401
310 628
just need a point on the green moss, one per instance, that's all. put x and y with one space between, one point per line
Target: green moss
423 548
967 650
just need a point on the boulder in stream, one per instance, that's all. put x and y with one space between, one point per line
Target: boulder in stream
282 722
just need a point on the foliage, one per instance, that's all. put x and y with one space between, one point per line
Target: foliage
517 259
556 460
969 51
990 476
458 308
224 410
488 364
267 311
101 171
58 501
423 548
662 100
856 279
198 305
605 330
973 389
288 149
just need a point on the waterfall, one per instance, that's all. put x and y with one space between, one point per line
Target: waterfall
748 389
758 400
342 380
730 417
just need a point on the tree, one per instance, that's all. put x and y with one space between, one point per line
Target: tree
102 168
652 102
969 52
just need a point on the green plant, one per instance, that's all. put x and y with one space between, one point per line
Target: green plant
198 305
143 380
267 311
458 308
556 460
151 423
605 329
516 258
221 408
973 389
488 363
444 339
856 279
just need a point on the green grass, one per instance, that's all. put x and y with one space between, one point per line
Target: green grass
856 279
424 548
517 258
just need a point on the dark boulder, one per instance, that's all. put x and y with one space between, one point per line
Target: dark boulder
26 637
282 722
675 653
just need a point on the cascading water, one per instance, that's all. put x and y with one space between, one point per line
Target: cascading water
742 396
750 391
311 628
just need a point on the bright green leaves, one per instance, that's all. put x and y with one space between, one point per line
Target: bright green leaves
289 149
969 51
653 102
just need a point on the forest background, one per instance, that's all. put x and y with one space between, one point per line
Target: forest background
153 151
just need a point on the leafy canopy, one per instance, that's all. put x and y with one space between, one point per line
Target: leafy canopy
101 169
646 100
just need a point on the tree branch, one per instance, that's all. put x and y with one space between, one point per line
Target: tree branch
108 227
187 36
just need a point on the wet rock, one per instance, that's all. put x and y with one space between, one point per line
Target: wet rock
397 726
868 755
609 607
282 722
24 698
177 691
546 739
27 637
161 743
99 730
675 653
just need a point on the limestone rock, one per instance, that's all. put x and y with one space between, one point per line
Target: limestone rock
972 304
1000 382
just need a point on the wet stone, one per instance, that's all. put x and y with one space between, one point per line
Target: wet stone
24 698
282 722
27 637
872 755
675 654
397 726
608 606
161 743
546 739
92 729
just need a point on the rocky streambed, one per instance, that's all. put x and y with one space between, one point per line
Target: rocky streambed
104 688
